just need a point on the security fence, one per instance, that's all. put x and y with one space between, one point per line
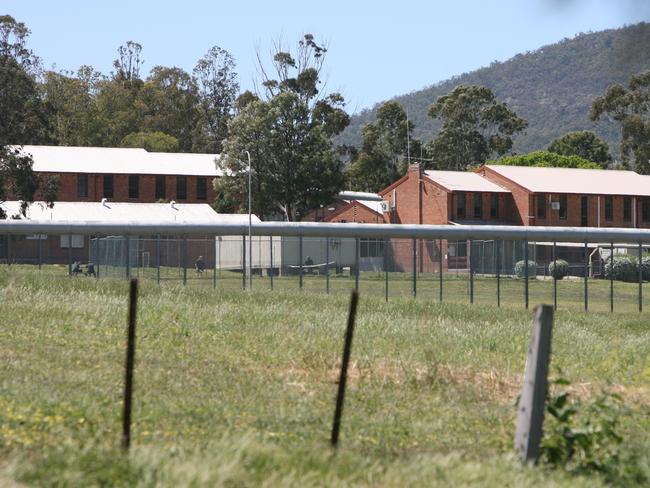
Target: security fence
572 268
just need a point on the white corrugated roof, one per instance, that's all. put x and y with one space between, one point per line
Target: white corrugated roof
73 159
126 212
463 181
574 180
372 205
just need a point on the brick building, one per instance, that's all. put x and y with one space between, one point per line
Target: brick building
358 211
88 174
574 197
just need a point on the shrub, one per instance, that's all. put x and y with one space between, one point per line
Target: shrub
520 269
558 269
624 268
645 267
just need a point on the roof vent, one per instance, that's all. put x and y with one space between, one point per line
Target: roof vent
104 201
173 204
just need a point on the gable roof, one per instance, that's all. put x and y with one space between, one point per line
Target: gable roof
119 160
126 212
575 180
463 181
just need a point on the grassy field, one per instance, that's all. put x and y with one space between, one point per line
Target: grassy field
237 389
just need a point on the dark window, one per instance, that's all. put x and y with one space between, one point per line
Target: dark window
201 188
563 207
541 206
82 186
160 187
460 205
645 209
134 186
371 248
494 206
108 186
584 211
627 209
609 208
478 205
181 187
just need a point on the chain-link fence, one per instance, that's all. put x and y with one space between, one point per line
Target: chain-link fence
587 276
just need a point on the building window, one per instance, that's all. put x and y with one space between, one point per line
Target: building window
82 186
134 186
371 248
77 241
460 205
201 188
181 188
645 209
627 209
609 208
494 206
108 186
478 205
160 187
563 207
541 205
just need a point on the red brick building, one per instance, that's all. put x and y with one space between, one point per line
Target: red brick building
127 175
574 197
358 211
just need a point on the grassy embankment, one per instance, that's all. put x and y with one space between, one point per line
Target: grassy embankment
238 389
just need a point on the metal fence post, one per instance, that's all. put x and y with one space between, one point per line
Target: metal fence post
300 259
8 249
526 273
128 256
586 291
471 271
640 277
385 259
70 255
184 260
243 258
214 267
530 412
356 263
554 275
440 269
415 268
40 256
327 265
611 277
498 250
272 271
158 259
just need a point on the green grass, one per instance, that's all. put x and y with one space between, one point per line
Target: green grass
237 389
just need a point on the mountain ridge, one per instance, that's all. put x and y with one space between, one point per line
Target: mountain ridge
552 87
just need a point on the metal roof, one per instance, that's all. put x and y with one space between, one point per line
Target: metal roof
575 180
463 181
359 196
372 205
118 160
126 212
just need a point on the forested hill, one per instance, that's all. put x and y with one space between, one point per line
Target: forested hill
552 87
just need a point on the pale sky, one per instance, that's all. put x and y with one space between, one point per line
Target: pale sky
377 49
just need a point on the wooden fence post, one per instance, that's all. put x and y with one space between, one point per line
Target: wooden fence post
530 413
347 349
130 361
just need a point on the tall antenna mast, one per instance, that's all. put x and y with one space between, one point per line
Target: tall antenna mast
408 141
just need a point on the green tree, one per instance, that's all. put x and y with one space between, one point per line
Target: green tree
631 109
217 90
585 144
71 97
475 125
151 141
385 147
23 118
289 136
170 97
545 159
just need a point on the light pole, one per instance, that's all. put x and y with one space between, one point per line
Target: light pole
250 226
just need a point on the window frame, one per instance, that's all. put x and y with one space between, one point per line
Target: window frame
540 204
461 210
108 186
181 188
494 206
160 184
609 208
201 188
477 201
563 213
82 184
627 209
134 187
